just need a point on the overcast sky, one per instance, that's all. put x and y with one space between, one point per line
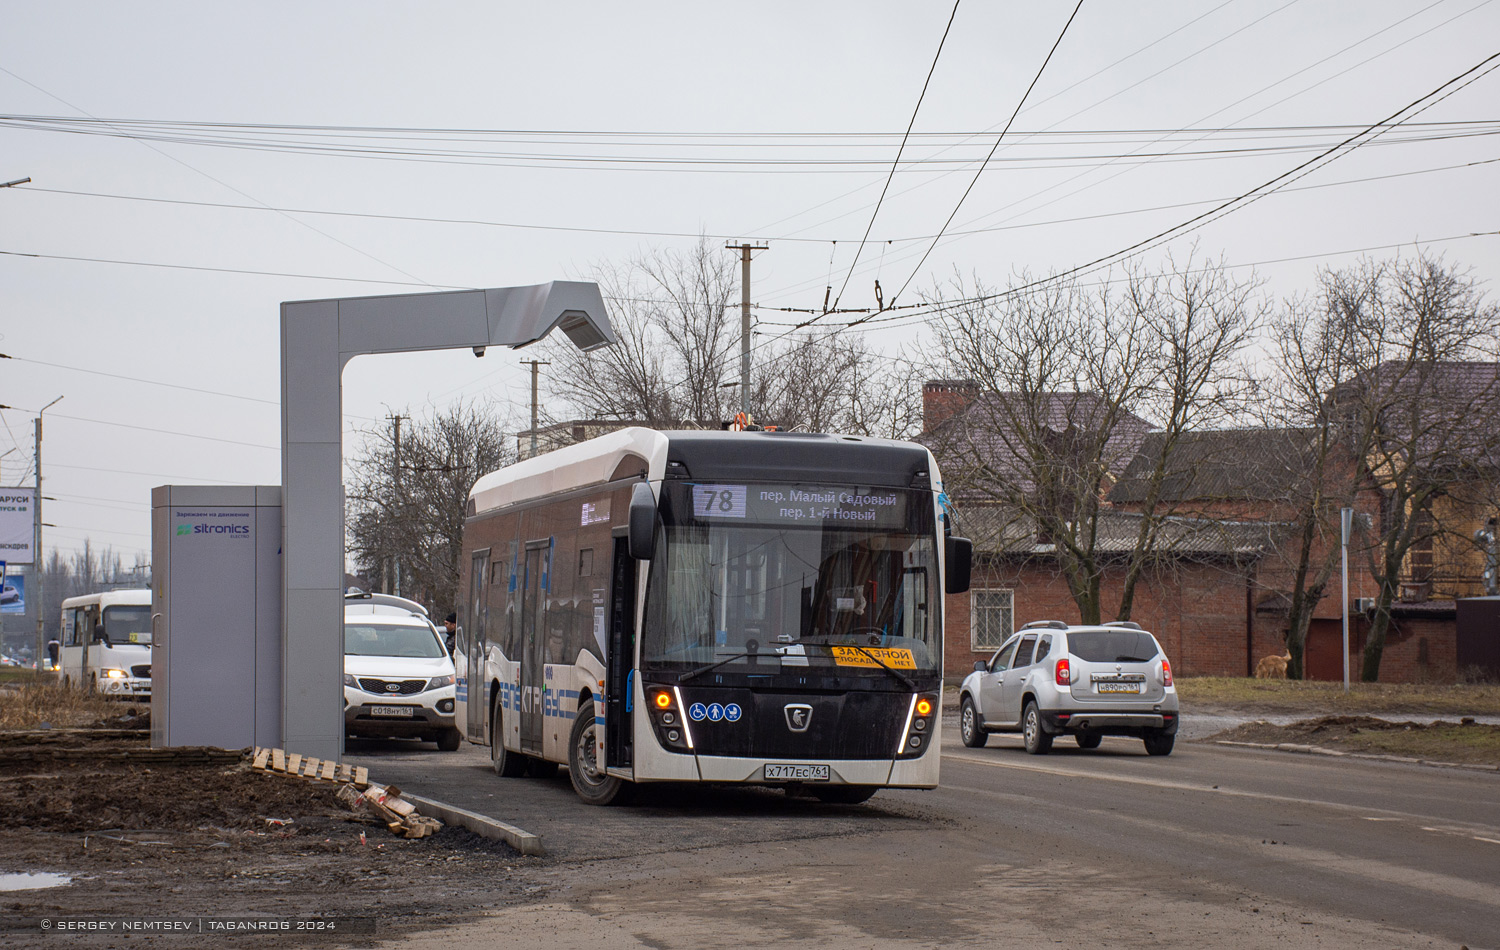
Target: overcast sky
600 131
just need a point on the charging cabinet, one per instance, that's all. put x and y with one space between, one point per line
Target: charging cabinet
216 656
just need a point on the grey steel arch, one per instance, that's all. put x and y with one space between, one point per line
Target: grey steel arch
318 337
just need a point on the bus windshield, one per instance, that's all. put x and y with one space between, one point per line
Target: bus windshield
814 580
128 623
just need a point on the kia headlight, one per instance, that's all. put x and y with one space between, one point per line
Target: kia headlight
349 680
438 682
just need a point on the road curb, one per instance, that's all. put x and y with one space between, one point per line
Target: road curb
523 841
1319 750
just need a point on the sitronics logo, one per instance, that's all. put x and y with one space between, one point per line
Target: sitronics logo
183 529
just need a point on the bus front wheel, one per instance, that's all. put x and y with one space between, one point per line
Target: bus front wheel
591 783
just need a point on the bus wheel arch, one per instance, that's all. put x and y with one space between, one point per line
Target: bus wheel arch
592 785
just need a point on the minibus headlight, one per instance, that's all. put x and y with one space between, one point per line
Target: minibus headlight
115 674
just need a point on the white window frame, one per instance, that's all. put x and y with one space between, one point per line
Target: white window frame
1008 608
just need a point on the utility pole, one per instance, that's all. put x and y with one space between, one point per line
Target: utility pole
36 554
745 250
396 481
535 367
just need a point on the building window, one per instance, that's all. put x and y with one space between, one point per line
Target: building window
991 618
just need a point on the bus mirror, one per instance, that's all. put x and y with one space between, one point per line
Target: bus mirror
99 635
958 557
642 539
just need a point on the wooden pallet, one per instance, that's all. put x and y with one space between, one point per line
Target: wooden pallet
279 762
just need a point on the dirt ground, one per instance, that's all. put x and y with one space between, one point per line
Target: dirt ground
212 837
1464 741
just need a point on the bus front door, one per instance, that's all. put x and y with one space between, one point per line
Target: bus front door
476 702
617 741
531 650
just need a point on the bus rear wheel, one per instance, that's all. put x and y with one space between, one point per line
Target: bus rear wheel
507 764
591 783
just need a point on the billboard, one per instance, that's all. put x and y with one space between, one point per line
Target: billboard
13 595
17 524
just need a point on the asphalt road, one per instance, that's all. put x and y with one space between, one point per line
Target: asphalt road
1211 846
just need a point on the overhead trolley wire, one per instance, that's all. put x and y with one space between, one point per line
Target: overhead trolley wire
1272 85
1035 79
896 163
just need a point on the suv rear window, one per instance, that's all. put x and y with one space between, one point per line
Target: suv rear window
1112 646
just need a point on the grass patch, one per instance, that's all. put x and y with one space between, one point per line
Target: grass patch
28 704
1471 742
13 674
1205 693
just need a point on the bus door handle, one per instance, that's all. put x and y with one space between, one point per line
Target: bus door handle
154 619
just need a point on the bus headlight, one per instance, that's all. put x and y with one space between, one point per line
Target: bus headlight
921 720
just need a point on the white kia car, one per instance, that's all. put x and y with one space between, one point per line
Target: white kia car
398 677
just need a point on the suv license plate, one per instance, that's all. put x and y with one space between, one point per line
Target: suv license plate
796 773
391 711
1119 687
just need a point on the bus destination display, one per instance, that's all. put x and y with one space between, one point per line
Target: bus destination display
791 504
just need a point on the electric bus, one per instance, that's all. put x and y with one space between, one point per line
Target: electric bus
106 643
759 608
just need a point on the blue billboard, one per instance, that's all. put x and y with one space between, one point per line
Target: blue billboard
13 595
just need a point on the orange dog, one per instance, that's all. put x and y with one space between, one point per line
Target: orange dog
1272 667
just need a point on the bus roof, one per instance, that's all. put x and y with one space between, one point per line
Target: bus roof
704 454
132 597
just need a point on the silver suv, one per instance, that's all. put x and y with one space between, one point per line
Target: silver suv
1089 682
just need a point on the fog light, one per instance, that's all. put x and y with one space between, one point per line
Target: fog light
668 718
445 705
673 735
919 725
914 741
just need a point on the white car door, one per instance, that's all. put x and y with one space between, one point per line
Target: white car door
991 705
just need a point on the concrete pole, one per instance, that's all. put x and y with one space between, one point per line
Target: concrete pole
535 375
745 330
36 552
1346 521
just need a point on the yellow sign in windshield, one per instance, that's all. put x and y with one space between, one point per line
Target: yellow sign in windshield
897 658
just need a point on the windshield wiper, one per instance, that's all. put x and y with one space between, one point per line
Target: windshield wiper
905 680
692 674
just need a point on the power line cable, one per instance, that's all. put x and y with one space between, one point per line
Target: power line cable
235 270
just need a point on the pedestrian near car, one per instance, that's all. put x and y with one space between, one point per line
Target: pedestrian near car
450 624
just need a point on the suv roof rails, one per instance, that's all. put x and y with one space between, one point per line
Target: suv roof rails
1128 624
1049 624
385 600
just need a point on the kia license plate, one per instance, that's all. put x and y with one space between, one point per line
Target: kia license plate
796 773
404 711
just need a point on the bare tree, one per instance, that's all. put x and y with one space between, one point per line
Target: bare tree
1069 382
408 493
677 317
1414 411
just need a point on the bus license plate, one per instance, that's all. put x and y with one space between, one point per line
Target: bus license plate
796 773
391 711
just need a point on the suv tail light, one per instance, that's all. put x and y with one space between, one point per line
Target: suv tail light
1166 672
1064 672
